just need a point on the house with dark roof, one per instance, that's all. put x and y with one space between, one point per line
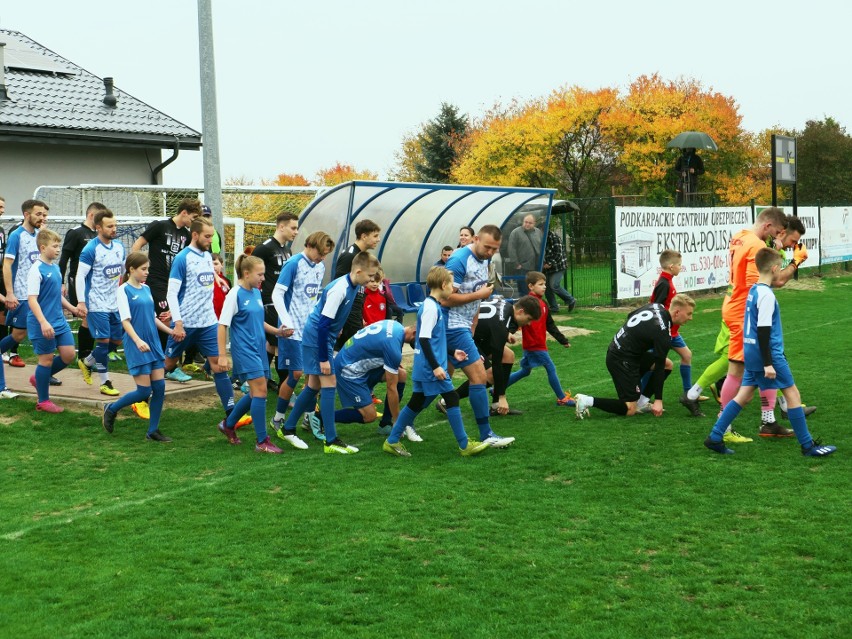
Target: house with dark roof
60 124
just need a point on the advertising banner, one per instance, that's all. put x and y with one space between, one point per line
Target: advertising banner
836 235
701 235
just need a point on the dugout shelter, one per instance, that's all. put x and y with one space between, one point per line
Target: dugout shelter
417 220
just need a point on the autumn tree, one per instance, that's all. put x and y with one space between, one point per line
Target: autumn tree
289 179
340 173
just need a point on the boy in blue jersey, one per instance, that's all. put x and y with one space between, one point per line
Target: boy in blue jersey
321 330
47 327
142 347
469 267
294 297
194 322
766 366
21 253
98 277
243 313
430 369
372 355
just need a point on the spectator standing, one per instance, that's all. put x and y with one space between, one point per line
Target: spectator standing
524 251
555 264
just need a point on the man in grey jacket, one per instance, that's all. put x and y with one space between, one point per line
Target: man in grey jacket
524 251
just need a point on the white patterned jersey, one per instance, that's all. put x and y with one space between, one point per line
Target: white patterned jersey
99 275
190 293
469 275
22 250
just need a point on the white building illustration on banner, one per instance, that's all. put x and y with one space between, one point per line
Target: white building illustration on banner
635 249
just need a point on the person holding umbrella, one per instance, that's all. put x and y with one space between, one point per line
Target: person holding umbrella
688 167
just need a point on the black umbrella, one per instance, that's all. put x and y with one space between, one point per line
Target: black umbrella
693 140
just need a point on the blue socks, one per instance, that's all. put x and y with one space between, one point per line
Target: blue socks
406 417
158 396
686 376
58 365
42 380
305 403
281 406
800 426
728 415
479 402
139 395
224 390
6 343
327 396
258 417
455 417
240 408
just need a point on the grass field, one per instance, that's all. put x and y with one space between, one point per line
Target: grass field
606 527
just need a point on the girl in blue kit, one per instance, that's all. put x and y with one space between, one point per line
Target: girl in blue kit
243 312
47 327
142 348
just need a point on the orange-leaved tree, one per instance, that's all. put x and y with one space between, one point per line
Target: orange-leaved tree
340 173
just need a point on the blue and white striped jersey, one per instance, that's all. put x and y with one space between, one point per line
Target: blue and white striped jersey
295 293
22 249
375 346
431 325
469 275
335 302
243 312
45 283
99 275
137 305
762 310
190 293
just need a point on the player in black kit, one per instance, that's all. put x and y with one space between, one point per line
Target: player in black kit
497 321
639 346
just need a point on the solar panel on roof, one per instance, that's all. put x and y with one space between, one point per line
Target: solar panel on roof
20 55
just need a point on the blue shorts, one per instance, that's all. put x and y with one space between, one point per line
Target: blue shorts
434 387
462 339
43 346
206 338
534 359
310 359
105 325
244 377
678 342
358 393
783 378
18 317
145 369
290 354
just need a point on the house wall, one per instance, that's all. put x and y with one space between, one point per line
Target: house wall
24 167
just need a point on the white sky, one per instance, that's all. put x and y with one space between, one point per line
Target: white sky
302 85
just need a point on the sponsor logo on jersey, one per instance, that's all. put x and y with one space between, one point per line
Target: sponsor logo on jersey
311 290
33 255
113 271
206 279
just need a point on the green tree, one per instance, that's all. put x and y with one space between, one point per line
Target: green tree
428 155
824 154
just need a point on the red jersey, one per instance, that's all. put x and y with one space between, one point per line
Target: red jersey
375 306
664 291
535 333
219 293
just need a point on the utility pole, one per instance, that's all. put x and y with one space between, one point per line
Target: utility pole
209 120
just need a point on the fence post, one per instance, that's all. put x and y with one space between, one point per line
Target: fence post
613 270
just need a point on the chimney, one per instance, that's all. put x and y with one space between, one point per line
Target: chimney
4 96
109 99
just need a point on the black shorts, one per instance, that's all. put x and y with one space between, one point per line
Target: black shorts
627 373
270 316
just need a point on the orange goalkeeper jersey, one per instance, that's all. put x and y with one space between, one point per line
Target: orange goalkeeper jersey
744 246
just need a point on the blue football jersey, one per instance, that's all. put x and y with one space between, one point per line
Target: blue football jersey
431 324
137 305
469 275
192 278
762 310
23 252
243 312
375 346
335 302
45 283
99 274
297 288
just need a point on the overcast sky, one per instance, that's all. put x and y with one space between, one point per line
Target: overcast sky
302 85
